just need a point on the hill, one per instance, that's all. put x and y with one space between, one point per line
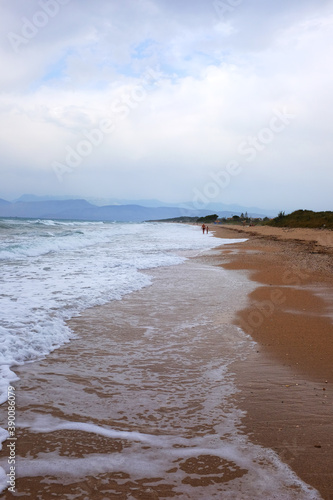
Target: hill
303 218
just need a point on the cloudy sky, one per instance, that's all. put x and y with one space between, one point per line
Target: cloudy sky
182 100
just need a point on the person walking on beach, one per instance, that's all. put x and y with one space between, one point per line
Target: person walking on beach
207 228
203 228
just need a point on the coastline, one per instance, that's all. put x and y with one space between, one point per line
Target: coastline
143 403
287 383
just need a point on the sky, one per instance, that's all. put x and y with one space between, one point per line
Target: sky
204 101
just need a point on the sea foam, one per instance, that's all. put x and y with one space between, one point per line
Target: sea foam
266 476
53 270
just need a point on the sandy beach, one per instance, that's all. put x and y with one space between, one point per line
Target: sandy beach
287 383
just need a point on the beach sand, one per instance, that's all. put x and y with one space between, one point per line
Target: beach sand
150 366
287 384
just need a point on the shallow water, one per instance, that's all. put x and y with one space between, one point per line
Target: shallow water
51 271
140 404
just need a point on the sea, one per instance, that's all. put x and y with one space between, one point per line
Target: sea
111 331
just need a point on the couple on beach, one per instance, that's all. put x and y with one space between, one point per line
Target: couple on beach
204 228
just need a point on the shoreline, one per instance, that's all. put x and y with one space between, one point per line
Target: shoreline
286 385
155 366
142 403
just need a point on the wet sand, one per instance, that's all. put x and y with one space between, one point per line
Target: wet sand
287 384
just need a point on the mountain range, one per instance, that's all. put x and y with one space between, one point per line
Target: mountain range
30 206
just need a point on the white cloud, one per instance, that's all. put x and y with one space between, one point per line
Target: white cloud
216 84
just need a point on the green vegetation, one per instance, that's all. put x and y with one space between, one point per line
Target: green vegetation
184 218
303 218
209 219
299 218
242 220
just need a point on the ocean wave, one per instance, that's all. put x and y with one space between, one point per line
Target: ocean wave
48 276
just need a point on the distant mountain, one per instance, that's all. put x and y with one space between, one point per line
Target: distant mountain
43 209
97 201
33 197
232 209
83 210
120 201
4 202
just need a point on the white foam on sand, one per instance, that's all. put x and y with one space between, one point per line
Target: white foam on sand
265 477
